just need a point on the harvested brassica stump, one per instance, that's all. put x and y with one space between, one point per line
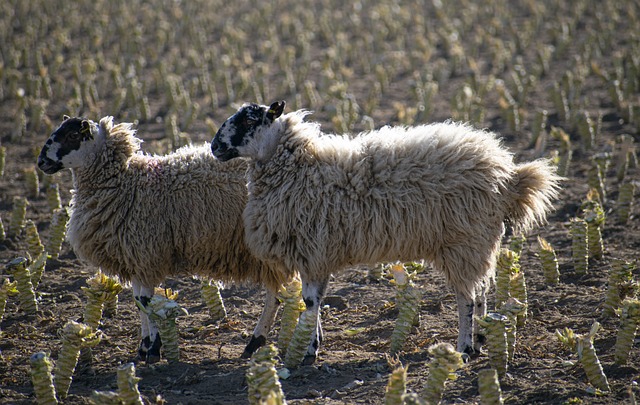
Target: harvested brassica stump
446 360
506 266
495 326
27 297
128 385
517 243
262 378
74 336
57 232
210 291
293 306
32 182
594 217
53 196
163 312
397 385
18 214
7 288
36 268
34 244
620 285
583 345
300 339
489 387
549 262
100 289
408 303
512 309
629 322
579 245
518 290
624 202
42 379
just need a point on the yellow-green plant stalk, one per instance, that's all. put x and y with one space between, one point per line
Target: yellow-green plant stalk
397 386
42 379
586 129
34 244
57 231
163 312
100 289
626 150
18 267
495 326
3 234
376 272
36 268
629 322
517 243
619 285
624 203
127 381
105 398
7 288
210 291
408 303
579 245
262 378
293 305
300 340
489 387
446 360
110 308
53 196
518 290
594 217
589 359
74 336
32 183
539 125
506 266
512 308
595 181
17 216
549 261
3 157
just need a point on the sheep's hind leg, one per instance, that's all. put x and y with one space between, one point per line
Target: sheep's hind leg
312 294
465 323
264 325
479 339
149 350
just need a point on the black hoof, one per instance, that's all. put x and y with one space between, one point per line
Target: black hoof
254 344
308 360
152 358
465 358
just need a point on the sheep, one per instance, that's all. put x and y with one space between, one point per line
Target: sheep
143 218
442 192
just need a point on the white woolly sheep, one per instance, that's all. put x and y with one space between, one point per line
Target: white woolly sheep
319 203
144 217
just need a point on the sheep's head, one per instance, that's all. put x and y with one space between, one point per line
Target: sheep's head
241 134
68 146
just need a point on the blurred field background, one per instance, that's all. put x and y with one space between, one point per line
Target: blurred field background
555 79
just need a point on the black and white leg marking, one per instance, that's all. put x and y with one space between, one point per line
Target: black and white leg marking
150 343
264 325
312 294
465 323
479 339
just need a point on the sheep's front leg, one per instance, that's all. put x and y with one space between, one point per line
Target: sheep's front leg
479 339
264 325
465 323
312 294
149 350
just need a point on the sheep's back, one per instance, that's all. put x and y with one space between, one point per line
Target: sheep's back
170 215
392 194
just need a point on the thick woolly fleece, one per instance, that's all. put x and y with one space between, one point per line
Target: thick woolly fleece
441 192
148 217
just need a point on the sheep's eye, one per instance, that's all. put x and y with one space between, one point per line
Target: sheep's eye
74 136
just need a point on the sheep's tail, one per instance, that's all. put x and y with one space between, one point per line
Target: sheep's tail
535 186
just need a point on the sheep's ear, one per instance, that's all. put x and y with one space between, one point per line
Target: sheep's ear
85 128
65 117
275 110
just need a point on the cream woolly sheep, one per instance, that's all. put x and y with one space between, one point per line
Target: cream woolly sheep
144 218
442 192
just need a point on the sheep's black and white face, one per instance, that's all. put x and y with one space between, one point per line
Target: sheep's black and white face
68 146
235 136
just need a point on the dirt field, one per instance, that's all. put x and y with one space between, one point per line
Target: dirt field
358 65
